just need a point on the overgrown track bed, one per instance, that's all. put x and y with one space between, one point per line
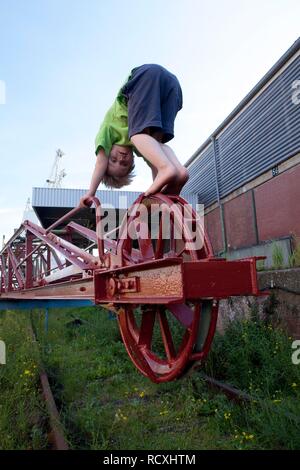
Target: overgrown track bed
56 436
28 415
104 403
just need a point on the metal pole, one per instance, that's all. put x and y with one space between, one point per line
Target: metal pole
254 217
222 218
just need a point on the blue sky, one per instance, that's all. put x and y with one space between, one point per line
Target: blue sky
63 61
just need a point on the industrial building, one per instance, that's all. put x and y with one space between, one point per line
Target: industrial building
247 172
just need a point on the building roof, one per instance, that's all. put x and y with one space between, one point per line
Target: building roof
50 204
67 197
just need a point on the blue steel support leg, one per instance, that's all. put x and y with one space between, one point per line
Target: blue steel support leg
111 315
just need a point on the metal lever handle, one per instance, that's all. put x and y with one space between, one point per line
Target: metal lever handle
99 231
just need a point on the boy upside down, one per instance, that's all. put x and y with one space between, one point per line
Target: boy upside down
141 120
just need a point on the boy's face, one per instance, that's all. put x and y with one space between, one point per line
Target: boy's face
120 160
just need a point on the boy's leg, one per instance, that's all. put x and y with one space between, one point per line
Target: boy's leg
154 153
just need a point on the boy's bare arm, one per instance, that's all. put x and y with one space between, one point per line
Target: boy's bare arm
98 173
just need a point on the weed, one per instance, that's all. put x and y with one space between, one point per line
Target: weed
277 256
22 414
294 258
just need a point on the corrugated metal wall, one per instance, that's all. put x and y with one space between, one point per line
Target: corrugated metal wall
264 133
202 176
65 197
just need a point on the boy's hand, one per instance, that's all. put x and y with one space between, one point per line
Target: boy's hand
84 201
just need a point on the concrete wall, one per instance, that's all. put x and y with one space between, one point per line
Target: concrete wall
282 308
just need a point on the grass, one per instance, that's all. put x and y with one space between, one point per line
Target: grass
256 357
277 256
106 404
294 259
22 412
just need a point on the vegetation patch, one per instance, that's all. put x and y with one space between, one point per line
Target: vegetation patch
23 420
105 403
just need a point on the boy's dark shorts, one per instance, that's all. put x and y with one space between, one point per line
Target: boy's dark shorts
154 97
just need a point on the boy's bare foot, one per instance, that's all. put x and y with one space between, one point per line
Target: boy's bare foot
175 186
172 189
163 177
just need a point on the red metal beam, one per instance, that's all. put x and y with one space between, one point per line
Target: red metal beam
74 254
219 279
28 257
17 272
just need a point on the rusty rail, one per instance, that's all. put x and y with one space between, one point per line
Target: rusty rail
56 437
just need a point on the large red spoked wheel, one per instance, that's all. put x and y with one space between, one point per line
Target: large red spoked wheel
164 341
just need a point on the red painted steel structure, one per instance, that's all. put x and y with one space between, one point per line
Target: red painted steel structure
164 288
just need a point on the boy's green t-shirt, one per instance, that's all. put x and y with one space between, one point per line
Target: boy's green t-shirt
114 128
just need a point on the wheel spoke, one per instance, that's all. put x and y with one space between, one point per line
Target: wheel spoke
159 248
166 335
172 233
134 255
181 252
144 239
183 313
146 328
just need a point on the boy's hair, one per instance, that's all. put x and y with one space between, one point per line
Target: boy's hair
119 181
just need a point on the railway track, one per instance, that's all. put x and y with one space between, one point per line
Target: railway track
56 436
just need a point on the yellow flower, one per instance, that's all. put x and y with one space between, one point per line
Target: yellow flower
119 415
142 394
26 372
